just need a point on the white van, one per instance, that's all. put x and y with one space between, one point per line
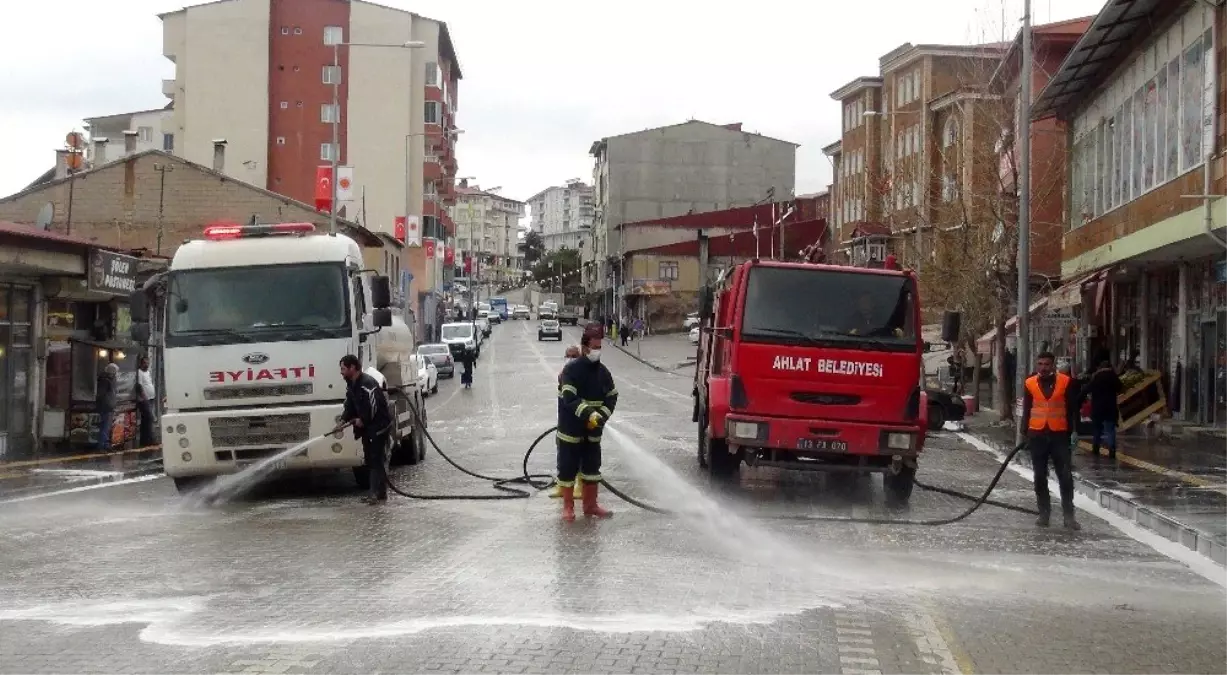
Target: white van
459 337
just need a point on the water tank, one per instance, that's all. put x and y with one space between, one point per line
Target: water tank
394 347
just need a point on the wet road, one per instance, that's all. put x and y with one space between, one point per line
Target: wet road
300 577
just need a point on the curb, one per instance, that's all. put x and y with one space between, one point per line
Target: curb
642 360
1143 516
84 483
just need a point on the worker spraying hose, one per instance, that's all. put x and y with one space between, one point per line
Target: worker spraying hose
588 398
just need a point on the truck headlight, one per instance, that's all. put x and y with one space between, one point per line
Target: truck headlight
899 441
747 430
183 442
181 429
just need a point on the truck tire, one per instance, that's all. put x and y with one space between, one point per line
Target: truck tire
937 416
188 484
419 439
714 453
899 486
402 450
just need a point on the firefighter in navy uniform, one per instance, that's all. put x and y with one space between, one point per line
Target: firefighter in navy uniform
366 405
588 398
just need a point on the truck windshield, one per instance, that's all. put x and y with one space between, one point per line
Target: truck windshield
257 304
457 331
856 310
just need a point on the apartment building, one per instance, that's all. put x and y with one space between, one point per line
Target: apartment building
562 215
107 133
1142 96
692 167
488 231
260 74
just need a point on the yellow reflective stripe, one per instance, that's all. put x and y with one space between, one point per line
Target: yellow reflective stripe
594 401
579 409
611 392
590 477
595 439
568 438
605 411
566 387
566 483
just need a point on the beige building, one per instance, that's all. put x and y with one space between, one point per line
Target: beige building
488 228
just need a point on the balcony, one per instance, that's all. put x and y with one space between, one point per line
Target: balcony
432 170
168 88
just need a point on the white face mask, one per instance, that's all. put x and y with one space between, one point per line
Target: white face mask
594 355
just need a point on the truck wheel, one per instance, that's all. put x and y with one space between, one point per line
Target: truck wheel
419 439
899 486
701 418
188 484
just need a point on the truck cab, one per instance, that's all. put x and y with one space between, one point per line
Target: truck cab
811 367
252 322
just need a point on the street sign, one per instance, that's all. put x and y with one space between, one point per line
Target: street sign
112 273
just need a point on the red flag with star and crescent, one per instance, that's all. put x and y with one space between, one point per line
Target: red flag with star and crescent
323 188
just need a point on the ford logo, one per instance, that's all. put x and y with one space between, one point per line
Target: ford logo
255 359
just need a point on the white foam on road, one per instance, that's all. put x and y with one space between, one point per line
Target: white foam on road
1195 561
84 488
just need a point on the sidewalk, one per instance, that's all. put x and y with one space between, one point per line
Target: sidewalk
1175 488
29 477
668 353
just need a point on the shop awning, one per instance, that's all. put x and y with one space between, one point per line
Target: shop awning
1070 294
985 344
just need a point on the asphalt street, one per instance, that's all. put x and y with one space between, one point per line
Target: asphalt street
299 577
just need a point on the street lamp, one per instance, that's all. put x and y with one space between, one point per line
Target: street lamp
335 150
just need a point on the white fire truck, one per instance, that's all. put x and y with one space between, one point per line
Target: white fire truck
251 322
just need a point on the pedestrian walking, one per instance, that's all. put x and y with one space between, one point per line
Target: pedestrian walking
105 401
366 406
588 399
1103 389
624 333
572 353
146 395
468 359
637 331
1050 409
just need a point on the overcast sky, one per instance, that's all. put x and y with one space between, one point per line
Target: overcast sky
543 78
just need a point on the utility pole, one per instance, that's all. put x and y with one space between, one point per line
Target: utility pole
162 169
1023 359
335 150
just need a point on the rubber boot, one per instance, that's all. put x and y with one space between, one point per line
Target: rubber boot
1071 523
591 508
1044 519
568 506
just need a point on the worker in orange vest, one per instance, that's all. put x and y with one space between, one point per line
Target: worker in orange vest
1050 410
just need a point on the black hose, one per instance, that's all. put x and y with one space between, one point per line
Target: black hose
545 481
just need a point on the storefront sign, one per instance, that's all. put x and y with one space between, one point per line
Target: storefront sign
112 273
650 287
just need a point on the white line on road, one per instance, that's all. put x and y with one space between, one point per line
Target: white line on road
84 473
85 488
931 645
1195 561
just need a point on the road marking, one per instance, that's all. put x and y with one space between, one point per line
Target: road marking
855 660
5 466
85 488
1195 561
931 644
1189 478
83 473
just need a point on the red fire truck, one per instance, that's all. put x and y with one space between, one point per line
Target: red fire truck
811 367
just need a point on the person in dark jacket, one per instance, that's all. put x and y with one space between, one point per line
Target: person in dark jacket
570 355
1103 389
106 400
366 405
1050 411
588 398
468 359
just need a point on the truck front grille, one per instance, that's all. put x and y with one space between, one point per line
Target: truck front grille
266 430
257 391
824 399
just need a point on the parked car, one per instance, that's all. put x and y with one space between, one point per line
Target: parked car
460 336
694 335
428 375
691 321
568 316
440 355
521 312
549 328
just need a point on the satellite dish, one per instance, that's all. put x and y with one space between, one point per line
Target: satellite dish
45 214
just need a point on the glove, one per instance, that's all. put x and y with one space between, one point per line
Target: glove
595 420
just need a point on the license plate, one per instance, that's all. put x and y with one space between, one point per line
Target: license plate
280 465
822 444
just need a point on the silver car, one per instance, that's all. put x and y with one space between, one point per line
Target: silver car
549 328
439 354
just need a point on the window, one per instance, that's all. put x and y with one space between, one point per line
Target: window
1192 87
297 30
145 134
950 188
433 76
168 142
330 112
333 35
285 30
285 105
668 271
332 75
431 114
328 152
281 140
950 134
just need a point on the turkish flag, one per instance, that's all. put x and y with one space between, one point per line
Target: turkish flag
399 228
468 265
449 256
430 249
323 188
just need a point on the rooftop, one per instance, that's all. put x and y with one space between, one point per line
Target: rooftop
1056 32
735 127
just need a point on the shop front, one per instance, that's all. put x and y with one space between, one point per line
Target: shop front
18 302
87 328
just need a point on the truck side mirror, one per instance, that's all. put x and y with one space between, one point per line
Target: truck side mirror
706 301
382 317
139 332
951 322
381 292
138 307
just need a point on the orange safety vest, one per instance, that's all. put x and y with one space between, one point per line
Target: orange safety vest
1048 413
